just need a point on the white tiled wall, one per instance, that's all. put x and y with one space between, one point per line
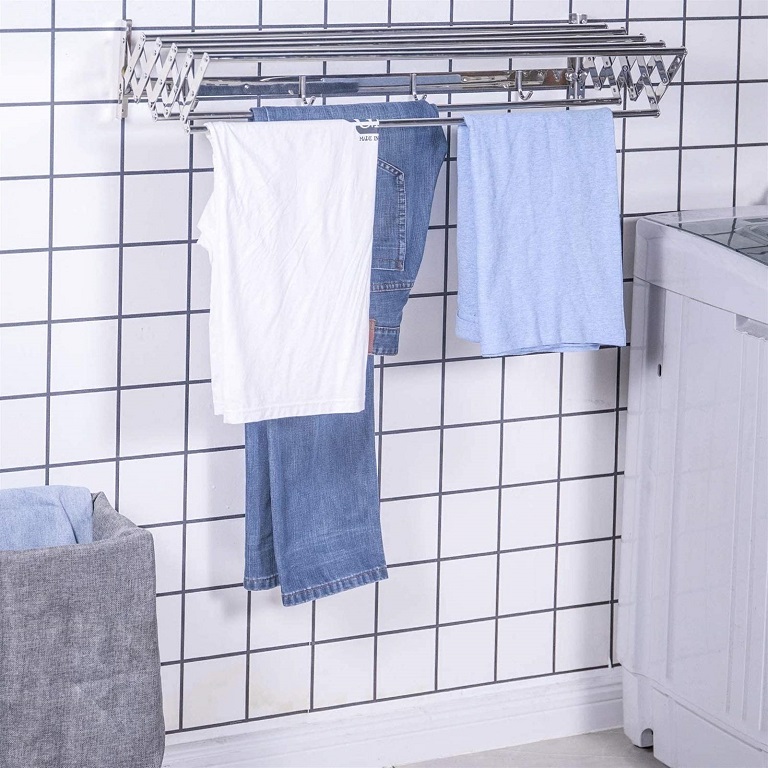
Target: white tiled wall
500 479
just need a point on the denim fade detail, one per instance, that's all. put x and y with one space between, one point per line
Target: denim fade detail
409 163
333 587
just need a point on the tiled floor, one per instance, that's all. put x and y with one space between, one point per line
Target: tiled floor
607 749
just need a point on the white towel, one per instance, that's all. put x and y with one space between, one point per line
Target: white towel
289 231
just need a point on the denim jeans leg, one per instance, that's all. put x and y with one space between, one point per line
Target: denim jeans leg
325 502
260 563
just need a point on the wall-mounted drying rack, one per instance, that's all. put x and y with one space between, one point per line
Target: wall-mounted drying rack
177 73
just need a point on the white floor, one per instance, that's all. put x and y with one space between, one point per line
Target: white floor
607 749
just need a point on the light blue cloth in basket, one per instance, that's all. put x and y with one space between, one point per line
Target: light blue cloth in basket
538 232
48 516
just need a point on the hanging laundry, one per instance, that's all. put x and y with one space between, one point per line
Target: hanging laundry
539 232
289 230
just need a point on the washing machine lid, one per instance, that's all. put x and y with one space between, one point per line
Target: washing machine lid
716 256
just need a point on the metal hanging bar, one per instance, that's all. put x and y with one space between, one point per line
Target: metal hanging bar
177 72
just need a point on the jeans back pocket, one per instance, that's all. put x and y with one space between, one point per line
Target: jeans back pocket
389 218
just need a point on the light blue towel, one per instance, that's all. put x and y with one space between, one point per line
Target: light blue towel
48 516
538 232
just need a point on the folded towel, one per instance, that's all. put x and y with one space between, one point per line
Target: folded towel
538 232
49 516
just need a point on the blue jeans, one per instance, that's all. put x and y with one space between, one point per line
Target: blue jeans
312 502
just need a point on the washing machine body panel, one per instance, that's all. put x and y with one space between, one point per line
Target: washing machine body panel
693 616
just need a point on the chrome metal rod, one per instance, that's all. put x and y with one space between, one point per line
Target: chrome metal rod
427 121
373 53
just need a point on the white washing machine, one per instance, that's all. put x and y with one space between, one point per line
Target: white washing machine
693 607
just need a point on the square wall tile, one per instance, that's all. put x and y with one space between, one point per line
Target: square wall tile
707 178
712 47
154 14
87 13
481 10
431 276
214 691
215 553
169 627
465 654
22 417
751 183
279 682
21 479
471 457
661 131
156 207
296 12
273 625
24 80
589 444
420 10
26 146
467 589
150 145
472 391
753 113
754 54
409 463
409 529
154 350
83 426
531 385
712 7
169 680
703 125
584 573
355 12
23 359
98 269
206 430
530 451
586 509
343 672
76 77
527 581
98 476
412 396
469 523
346 613
525 646
23 287
215 484
528 516
540 10
77 222
405 663
23 14
218 12
214 622
583 638
421 331
589 380
152 490
151 420
650 181
86 138
83 355
168 554
155 279
24 216
408 597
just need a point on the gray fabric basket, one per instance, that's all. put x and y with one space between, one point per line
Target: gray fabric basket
79 661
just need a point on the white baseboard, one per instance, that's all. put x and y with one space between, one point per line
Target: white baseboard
410 730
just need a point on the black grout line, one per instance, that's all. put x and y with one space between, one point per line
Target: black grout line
736 110
49 329
558 486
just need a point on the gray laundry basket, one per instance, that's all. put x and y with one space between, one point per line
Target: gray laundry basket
79 662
